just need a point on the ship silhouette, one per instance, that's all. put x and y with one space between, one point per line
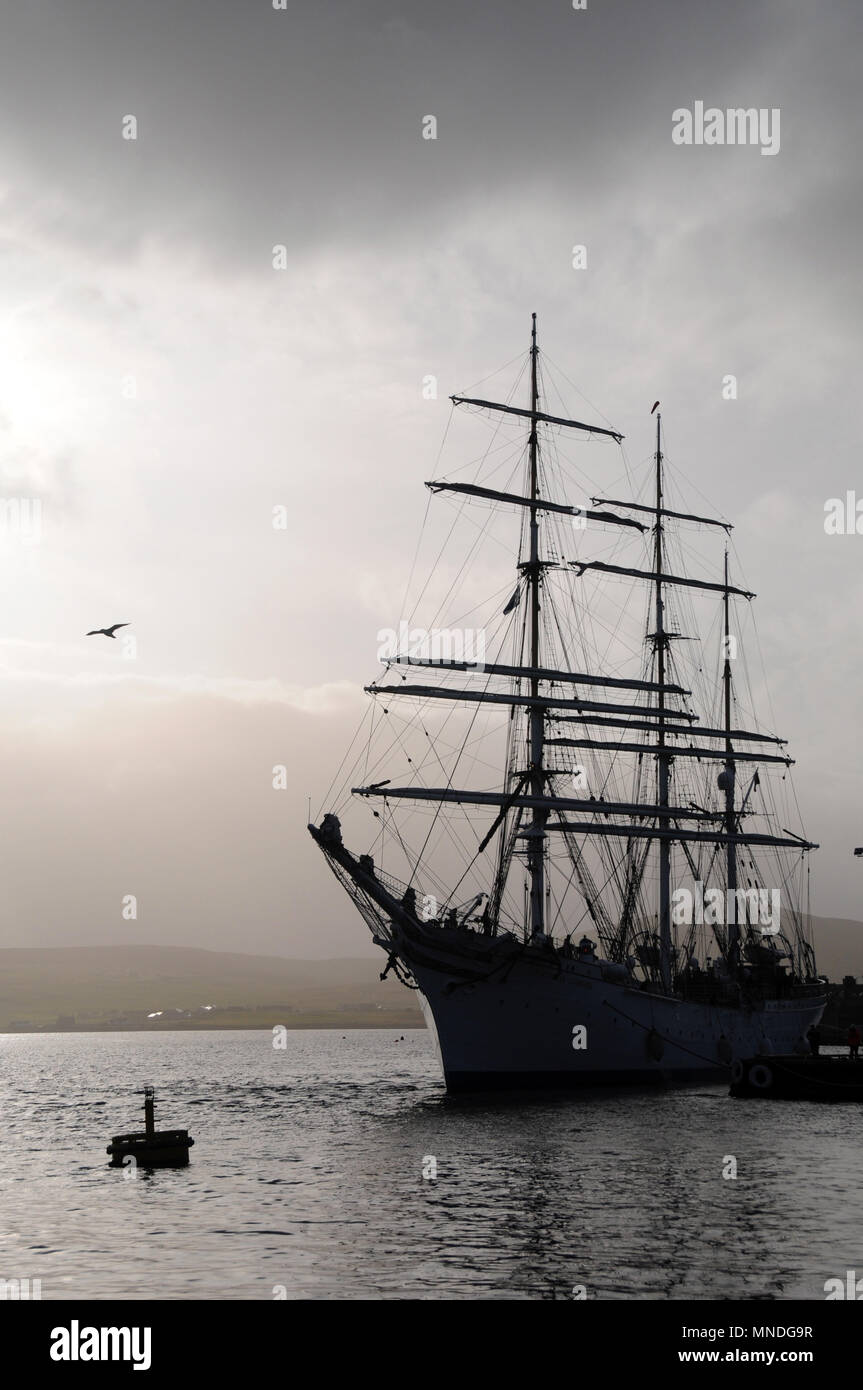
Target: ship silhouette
540 909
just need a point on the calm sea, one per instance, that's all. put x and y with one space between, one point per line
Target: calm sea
307 1175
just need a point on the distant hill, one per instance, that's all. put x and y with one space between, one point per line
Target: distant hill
93 987
111 987
838 946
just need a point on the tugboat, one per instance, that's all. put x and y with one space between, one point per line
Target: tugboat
561 775
163 1148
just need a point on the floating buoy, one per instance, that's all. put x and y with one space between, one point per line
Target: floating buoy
162 1148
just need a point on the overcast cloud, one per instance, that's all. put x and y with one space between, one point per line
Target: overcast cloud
162 388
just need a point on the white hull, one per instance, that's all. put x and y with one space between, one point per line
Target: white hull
517 1028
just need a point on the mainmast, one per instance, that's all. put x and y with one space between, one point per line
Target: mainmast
660 638
536 840
726 782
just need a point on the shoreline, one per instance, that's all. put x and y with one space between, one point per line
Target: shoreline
294 1026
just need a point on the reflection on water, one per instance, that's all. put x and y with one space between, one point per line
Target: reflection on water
307 1173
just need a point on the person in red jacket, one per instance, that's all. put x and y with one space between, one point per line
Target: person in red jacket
853 1041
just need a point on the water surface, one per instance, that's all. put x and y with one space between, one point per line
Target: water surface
307 1175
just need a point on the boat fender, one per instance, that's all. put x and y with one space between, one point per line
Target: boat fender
760 1077
724 1051
737 1073
655 1046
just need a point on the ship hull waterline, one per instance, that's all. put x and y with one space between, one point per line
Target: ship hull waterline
535 1021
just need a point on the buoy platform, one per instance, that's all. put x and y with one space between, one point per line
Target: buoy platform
155 1148
792 1077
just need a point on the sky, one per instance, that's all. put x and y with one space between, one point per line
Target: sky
164 387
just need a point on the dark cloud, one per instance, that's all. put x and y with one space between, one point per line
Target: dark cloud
305 126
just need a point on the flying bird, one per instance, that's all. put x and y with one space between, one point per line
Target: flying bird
655 404
106 631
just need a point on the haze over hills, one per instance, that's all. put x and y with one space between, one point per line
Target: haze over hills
93 987
838 946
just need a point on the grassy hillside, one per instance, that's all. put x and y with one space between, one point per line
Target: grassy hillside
91 987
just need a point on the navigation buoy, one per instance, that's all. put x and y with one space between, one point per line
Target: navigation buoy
162 1148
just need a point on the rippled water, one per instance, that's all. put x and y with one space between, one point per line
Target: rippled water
307 1173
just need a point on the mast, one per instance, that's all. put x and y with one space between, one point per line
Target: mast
663 757
536 842
726 783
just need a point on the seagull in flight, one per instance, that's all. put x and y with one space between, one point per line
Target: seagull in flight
106 631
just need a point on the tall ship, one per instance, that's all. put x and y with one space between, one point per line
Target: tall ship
576 841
